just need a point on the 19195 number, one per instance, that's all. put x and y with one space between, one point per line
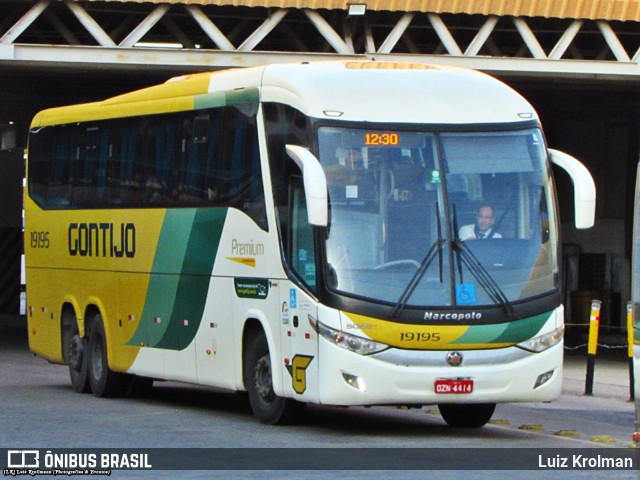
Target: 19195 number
39 239
420 336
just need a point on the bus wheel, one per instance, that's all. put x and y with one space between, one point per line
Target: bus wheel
266 405
469 415
104 382
74 352
77 351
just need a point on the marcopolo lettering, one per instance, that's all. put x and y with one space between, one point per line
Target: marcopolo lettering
452 315
102 240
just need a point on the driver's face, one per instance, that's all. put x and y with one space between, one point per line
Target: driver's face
485 218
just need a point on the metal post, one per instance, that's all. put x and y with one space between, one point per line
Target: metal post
594 325
632 395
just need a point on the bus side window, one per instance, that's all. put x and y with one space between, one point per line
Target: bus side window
241 164
284 125
122 185
90 166
302 254
157 154
59 187
192 188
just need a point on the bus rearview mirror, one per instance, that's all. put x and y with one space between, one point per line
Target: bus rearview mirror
315 184
584 190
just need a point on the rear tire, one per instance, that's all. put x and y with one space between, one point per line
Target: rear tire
104 382
78 364
75 353
266 405
469 415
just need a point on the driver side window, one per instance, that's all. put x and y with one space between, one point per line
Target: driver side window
302 255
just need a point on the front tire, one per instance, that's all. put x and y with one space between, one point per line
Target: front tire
469 415
266 405
104 382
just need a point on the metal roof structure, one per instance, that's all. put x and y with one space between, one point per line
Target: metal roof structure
585 9
584 38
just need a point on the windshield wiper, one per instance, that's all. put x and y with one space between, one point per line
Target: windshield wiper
479 272
435 249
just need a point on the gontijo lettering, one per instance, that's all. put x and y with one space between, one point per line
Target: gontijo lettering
102 240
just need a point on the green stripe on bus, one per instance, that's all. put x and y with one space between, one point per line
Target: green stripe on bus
524 329
178 286
222 99
193 288
512 332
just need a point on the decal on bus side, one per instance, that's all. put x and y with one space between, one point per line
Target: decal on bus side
251 287
102 240
298 372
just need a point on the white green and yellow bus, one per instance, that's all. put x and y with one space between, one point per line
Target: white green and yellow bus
294 232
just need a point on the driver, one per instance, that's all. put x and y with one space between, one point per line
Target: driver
483 228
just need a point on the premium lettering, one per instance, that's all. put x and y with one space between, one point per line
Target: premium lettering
239 248
102 240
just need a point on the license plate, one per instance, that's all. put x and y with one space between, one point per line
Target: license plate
454 385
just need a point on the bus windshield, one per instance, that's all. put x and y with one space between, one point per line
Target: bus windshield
424 218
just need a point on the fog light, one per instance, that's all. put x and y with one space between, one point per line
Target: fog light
354 381
543 378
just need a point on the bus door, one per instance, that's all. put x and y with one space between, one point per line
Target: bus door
299 340
299 344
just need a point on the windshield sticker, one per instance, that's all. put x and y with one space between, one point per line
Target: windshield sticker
466 294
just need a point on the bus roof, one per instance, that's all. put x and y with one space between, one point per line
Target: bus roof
389 92
394 92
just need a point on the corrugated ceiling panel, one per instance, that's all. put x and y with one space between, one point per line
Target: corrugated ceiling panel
587 9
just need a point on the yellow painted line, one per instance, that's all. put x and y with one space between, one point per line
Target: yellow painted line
538 430
530 427
499 421
547 435
567 433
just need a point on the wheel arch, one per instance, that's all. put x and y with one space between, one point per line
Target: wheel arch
90 313
71 305
253 325
94 308
69 325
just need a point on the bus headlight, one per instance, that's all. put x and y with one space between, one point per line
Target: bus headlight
543 342
360 345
